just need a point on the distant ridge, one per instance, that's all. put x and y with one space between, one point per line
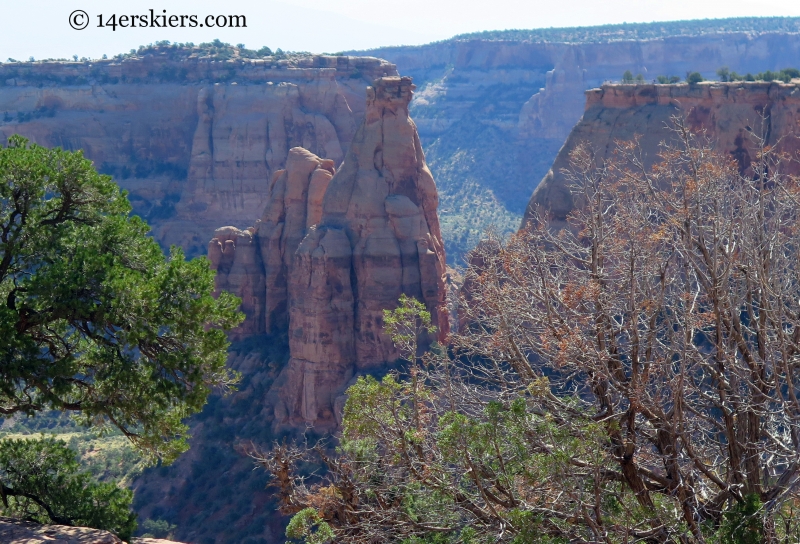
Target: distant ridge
640 31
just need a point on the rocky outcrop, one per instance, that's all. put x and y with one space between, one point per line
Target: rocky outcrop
333 250
13 531
731 114
550 113
195 141
493 112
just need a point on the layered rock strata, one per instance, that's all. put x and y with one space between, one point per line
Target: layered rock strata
335 262
493 110
195 141
733 116
463 69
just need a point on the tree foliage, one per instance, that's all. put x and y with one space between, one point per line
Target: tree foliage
638 31
93 319
630 378
785 75
693 78
40 481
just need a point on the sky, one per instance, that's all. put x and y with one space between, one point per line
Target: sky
41 29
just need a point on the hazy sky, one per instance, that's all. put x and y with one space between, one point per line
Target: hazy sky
41 28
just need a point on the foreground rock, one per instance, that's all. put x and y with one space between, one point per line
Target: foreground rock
13 531
733 116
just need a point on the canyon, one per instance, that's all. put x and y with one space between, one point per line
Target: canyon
493 109
315 190
334 248
195 140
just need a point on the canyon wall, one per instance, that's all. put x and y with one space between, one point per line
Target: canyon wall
493 113
195 141
733 116
332 250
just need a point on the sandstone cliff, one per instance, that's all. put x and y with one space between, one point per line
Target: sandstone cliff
194 140
731 114
378 238
256 263
491 113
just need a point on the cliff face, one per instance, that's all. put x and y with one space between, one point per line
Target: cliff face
512 103
333 250
194 141
730 113
492 115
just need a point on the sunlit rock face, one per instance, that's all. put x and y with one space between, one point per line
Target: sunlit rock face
256 263
378 238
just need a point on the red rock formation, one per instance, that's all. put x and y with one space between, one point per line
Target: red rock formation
378 238
729 113
295 204
333 250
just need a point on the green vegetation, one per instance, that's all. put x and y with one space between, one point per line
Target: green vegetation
96 321
108 456
307 526
40 481
216 49
693 78
785 75
627 77
668 79
158 529
640 31
609 383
